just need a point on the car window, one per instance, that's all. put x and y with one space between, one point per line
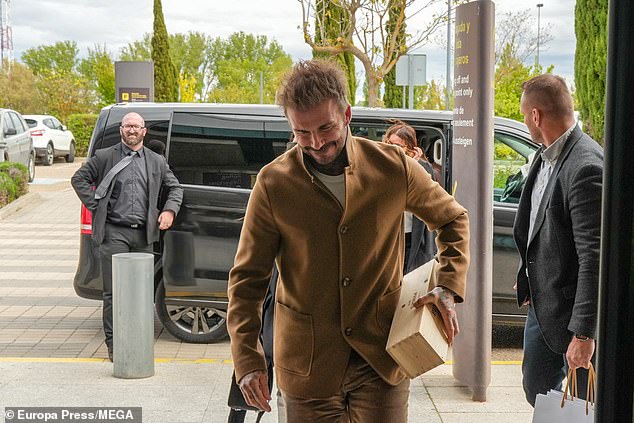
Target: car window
222 151
31 122
511 153
49 123
56 124
17 123
7 123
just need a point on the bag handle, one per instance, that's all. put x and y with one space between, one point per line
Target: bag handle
571 381
592 388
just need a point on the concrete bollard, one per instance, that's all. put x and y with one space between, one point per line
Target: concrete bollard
133 315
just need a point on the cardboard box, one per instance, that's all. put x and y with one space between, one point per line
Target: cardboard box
417 341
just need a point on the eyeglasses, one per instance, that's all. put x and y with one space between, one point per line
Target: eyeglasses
135 127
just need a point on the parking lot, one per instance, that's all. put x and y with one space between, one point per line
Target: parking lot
40 314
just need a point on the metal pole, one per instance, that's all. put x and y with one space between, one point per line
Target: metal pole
133 315
404 95
539 8
410 75
615 345
448 87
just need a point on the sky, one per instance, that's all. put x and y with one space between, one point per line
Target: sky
119 22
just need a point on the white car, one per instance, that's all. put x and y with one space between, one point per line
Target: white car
51 139
15 141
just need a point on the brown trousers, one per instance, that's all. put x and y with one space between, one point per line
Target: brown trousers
364 398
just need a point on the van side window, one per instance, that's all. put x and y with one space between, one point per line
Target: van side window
510 154
220 150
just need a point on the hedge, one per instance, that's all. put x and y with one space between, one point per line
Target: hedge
14 182
82 125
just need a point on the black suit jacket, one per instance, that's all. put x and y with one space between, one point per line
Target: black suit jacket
159 177
562 255
423 244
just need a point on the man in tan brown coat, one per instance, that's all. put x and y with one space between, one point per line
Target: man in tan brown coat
329 212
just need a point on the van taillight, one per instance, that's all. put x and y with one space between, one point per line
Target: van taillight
86 221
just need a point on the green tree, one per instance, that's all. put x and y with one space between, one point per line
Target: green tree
138 51
329 23
18 89
236 64
430 96
98 69
591 17
58 58
190 56
363 34
165 73
393 94
509 76
62 89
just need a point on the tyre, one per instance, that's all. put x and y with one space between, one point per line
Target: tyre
31 167
200 325
49 158
70 157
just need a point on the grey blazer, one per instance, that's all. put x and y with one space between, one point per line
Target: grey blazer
159 177
562 256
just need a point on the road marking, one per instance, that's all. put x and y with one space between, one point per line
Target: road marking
101 360
39 276
169 360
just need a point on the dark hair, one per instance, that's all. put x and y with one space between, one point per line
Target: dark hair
311 82
406 133
549 93
157 146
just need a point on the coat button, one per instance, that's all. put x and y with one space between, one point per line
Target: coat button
343 229
347 281
348 331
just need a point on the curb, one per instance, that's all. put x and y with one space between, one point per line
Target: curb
20 203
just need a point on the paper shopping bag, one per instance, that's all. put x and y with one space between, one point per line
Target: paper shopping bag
557 407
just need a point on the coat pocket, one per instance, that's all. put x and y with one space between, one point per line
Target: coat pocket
386 308
295 340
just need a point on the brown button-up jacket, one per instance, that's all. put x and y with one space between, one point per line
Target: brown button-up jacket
340 267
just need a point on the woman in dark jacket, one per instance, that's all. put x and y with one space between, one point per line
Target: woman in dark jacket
420 243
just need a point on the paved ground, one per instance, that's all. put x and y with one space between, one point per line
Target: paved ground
52 351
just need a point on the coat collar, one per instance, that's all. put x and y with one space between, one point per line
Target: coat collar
350 151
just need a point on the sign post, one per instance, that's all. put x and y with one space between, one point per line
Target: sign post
411 70
134 81
472 153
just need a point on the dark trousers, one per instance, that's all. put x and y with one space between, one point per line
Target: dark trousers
543 369
117 239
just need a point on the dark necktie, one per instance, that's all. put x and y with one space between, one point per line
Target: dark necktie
102 189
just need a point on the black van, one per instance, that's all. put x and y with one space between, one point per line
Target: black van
216 151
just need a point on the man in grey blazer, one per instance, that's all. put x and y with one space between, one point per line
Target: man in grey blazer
120 185
557 232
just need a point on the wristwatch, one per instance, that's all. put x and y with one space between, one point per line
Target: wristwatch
582 338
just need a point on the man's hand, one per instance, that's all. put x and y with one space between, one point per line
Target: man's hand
166 219
580 353
526 301
255 389
443 299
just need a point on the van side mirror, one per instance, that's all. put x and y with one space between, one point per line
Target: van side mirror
10 131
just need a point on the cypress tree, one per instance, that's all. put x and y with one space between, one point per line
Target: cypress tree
393 94
334 19
591 18
165 73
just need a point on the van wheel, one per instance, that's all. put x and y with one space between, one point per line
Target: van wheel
49 158
70 157
200 325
